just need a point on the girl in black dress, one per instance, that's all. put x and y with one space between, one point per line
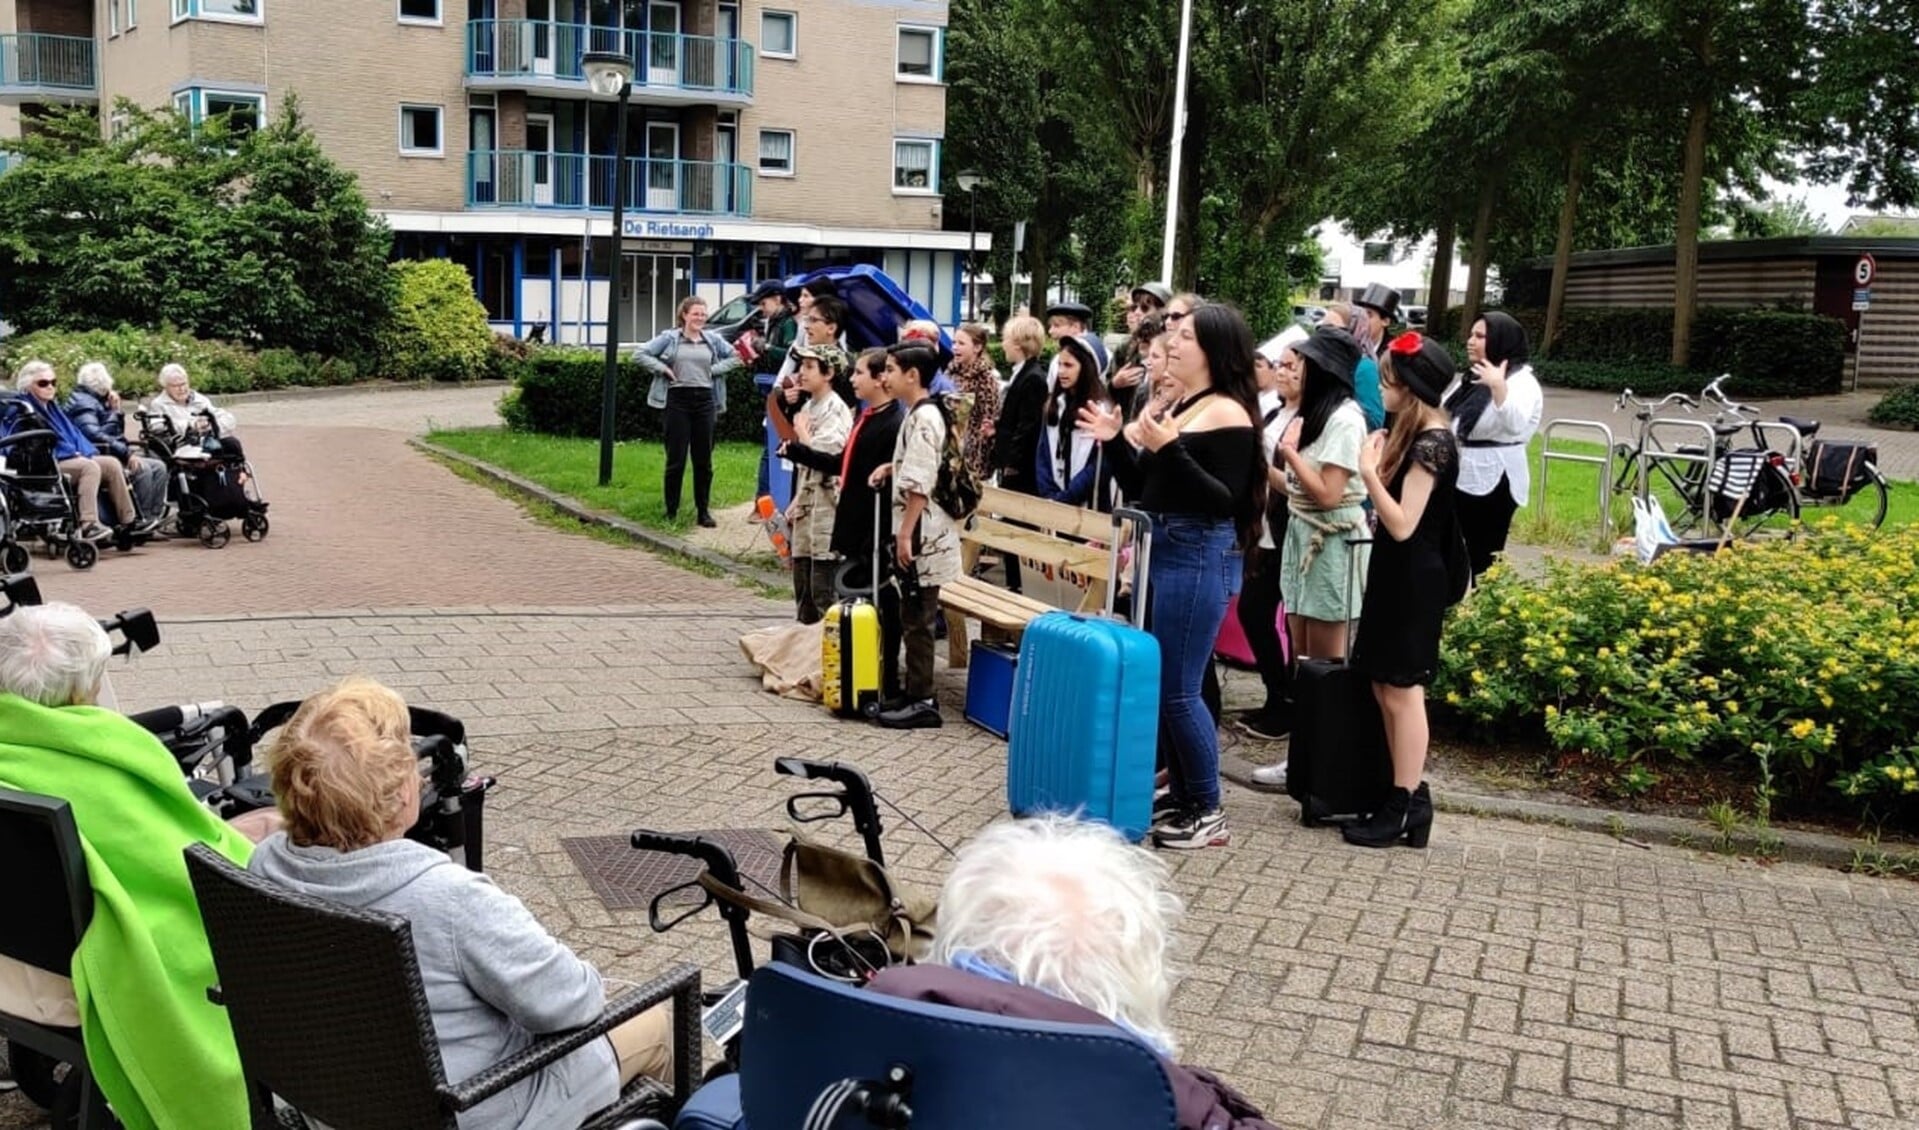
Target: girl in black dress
1410 474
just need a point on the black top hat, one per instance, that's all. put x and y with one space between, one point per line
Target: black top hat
1380 297
1334 350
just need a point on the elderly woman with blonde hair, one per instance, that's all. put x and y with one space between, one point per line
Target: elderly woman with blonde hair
1059 919
94 408
349 788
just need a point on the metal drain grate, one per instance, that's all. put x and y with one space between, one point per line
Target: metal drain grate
626 879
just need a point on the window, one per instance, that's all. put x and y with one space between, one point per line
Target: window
919 54
1379 253
419 11
420 132
244 111
243 11
779 34
916 166
113 16
776 152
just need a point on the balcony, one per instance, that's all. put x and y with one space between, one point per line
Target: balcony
667 69
576 182
47 68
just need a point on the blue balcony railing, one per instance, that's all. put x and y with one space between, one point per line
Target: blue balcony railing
32 64
541 51
577 182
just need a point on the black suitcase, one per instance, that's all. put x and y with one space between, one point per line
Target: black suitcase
1337 764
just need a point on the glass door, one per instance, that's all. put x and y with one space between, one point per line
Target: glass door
484 162
662 166
538 43
726 152
539 158
663 44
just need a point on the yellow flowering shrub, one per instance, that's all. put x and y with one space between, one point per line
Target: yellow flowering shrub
1802 654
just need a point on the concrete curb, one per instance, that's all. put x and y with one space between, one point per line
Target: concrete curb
651 539
1645 830
329 391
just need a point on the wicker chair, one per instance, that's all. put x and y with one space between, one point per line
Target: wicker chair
332 1020
49 903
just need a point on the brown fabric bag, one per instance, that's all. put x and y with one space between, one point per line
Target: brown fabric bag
826 888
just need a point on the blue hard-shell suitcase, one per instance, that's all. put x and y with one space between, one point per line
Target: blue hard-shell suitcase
1085 713
990 673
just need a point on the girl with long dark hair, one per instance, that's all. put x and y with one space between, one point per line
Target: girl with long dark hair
1320 453
1067 466
1496 406
1197 471
1410 474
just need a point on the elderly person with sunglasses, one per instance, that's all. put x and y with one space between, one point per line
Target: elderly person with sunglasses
94 407
79 460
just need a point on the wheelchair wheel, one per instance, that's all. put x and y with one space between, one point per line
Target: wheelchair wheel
254 527
215 534
81 554
14 558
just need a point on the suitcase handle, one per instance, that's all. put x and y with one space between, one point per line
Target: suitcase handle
1142 556
1352 587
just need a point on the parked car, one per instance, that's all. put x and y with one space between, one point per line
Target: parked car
729 321
1416 316
1309 315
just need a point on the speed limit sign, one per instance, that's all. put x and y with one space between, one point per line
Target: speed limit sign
1864 270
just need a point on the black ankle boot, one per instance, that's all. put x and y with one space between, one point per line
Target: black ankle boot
1403 816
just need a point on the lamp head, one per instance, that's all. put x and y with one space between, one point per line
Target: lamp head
607 72
968 180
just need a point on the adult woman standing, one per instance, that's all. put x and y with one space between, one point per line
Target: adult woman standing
1410 475
1016 431
1495 407
1197 471
1320 450
1066 465
689 365
974 376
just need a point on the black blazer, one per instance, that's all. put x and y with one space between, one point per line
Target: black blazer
1016 434
873 446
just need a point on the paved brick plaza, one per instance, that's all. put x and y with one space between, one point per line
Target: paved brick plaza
1513 975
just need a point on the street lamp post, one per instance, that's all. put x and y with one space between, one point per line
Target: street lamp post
611 74
970 182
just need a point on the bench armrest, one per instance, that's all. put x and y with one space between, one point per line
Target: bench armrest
680 984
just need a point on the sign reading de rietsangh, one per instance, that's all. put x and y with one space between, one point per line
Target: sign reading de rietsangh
1864 271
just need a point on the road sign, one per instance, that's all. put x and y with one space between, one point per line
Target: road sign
1864 271
1862 299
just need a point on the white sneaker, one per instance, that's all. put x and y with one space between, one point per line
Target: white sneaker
1271 776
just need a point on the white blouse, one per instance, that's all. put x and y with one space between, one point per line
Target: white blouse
1497 445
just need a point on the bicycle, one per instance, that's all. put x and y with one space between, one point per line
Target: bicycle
1743 492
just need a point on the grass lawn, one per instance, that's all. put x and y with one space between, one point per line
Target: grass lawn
572 467
1570 517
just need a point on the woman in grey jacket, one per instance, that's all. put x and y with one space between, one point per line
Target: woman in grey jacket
349 788
689 366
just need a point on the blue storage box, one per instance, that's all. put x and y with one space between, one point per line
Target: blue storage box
989 685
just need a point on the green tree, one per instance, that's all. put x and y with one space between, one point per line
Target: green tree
1862 111
438 330
1774 219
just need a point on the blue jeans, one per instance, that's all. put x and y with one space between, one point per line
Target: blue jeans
1195 570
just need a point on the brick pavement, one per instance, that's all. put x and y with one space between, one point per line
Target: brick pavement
1511 976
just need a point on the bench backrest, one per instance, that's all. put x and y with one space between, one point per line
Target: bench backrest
1054 517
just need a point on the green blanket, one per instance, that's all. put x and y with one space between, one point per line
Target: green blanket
163 1054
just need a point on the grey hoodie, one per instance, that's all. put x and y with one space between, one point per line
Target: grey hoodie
494 977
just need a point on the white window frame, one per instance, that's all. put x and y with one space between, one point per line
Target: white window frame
133 15
201 93
932 168
113 18
792 153
793 28
192 10
440 112
938 33
438 19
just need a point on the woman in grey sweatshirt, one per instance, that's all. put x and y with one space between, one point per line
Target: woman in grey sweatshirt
348 787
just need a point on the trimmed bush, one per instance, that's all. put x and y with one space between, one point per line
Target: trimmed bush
438 331
559 394
135 358
1647 378
1798 661
1898 408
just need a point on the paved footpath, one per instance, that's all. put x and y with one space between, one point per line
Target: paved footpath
1511 976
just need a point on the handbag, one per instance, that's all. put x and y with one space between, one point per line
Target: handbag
828 890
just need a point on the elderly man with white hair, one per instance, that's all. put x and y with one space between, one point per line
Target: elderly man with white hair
1059 919
79 460
161 1052
94 408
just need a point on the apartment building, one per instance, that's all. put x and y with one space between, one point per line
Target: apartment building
762 139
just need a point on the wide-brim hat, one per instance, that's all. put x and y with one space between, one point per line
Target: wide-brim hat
1334 350
1072 310
831 358
1158 291
1380 297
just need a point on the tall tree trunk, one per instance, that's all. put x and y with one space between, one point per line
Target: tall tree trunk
1685 274
1441 291
1563 249
1482 253
1039 265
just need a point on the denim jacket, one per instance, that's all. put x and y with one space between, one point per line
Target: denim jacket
656 357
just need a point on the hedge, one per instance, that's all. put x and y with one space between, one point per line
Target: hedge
1898 408
558 393
135 357
1770 353
1795 660
438 330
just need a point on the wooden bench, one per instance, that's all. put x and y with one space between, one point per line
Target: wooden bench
1052 535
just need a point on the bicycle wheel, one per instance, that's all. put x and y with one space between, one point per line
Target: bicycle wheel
1778 514
1870 502
1685 497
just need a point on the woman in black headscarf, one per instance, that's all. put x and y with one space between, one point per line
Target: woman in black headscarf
1496 406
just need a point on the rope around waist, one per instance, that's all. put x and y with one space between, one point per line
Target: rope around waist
1323 527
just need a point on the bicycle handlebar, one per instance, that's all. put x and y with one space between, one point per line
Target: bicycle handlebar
1626 398
1715 393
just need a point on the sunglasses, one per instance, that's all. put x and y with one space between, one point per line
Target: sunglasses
1147 307
43 384
1176 315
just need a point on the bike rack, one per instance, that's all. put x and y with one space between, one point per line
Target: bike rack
1654 451
1604 462
1794 441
